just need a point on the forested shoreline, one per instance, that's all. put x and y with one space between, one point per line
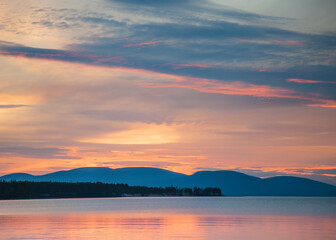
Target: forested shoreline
45 190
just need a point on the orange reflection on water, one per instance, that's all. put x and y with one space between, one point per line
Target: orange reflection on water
165 226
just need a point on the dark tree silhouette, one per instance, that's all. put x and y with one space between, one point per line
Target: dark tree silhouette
37 190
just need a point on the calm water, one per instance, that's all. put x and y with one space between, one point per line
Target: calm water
170 218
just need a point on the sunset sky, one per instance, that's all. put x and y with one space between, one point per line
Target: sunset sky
182 85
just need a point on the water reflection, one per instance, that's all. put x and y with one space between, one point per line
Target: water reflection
164 225
169 218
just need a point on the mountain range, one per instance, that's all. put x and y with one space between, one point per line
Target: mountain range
230 182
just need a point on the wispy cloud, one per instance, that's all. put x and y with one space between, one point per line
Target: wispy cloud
29 152
12 106
289 42
179 81
142 44
52 54
241 88
297 80
189 65
320 173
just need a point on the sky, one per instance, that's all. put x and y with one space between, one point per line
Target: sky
181 85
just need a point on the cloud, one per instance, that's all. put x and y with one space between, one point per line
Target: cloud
240 88
178 9
12 106
325 174
104 21
41 153
297 80
142 44
319 170
142 135
199 78
289 42
119 115
156 3
81 102
189 65
159 164
327 104
9 49
190 40
198 84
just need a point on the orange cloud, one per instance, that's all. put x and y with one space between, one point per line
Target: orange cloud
269 70
70 56
306 171
298 80
325 104
145 134
200 84
195 65
142 44
289 42
240 88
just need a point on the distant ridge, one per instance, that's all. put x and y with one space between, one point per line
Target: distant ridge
230 182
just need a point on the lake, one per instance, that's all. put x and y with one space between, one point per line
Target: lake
252 218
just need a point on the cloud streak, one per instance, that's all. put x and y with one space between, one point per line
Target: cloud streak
189 65
29 152
240 88
296 80
289 42
198 84
142 44
60 55
12 106
320 173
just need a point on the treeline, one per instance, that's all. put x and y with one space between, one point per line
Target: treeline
38 190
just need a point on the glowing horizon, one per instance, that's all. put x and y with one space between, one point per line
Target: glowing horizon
234 88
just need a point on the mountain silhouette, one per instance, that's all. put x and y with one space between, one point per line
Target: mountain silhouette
230 182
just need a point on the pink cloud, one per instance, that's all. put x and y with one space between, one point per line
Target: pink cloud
243 89
188 65
229 88
298 80
66 54
250 40
269 70
289 42
197 84
142 44
280 42
111 59
325 104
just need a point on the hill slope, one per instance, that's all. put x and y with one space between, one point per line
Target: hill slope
230 182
